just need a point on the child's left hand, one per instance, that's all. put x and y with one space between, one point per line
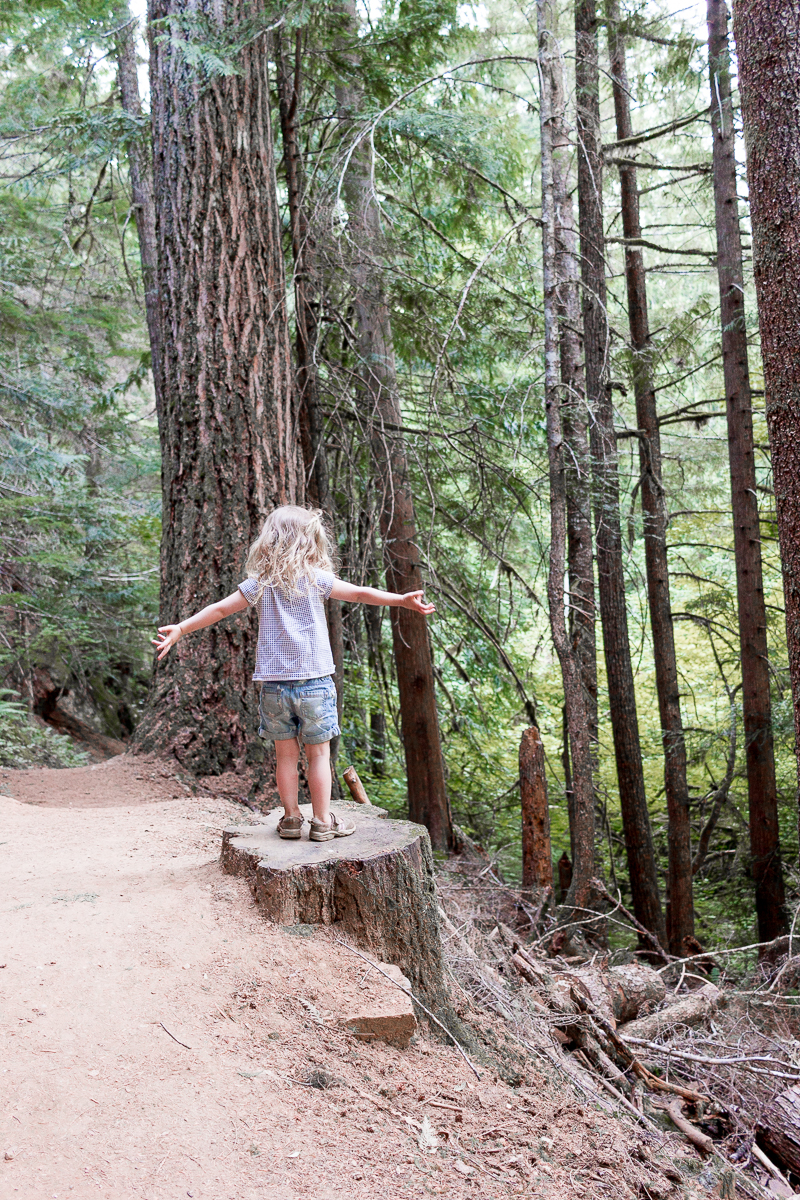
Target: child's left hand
414 601
168 636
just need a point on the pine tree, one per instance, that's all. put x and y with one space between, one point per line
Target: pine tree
761 785
230 444
610 569
680 910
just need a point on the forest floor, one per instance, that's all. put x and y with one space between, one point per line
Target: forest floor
117 925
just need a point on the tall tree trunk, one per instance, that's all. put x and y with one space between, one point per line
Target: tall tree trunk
761 785
642 870
140 168
427 793
306 282
577 719
306 308
580 562
769 79
230 449
680 911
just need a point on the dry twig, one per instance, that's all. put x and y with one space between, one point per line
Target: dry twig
690 1131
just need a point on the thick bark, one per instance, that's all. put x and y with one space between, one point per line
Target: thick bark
140 169
537 858
580 563
230 449
680 911
642 870
577 719
306 308
427 793
769 78
761 785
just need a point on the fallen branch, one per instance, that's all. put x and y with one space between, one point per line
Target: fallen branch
690 1131
411 995
385 1107
601 888
172 1035
719 953
357 789
627 1055
768 1164
745 1061
618 1096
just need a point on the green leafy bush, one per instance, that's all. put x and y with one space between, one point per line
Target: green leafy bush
24 742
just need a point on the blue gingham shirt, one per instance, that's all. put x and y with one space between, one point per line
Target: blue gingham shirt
293 640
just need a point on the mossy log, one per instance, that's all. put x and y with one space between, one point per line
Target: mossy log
377 886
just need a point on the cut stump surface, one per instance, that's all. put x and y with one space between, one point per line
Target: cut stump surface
377 886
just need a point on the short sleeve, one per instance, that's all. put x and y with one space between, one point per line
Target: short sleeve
249 590
325 582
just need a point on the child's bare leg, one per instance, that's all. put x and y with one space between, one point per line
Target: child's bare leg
319 779
286 754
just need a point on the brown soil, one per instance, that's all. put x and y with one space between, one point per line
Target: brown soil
117 926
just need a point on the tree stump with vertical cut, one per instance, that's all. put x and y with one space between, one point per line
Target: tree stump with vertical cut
537 860
376 886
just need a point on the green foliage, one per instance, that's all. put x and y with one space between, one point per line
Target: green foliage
24 743
79 517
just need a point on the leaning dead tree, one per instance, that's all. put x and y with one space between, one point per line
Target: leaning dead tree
577 718
608 535
756 705
230 448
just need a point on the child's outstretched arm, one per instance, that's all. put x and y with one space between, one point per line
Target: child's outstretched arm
368 595
170 635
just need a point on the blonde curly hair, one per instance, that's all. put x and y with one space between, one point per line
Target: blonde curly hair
293 545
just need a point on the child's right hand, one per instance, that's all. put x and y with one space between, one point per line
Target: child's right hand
168 636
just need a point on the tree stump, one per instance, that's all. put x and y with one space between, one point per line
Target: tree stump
537 861
377 886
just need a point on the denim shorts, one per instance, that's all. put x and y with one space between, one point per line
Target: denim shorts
301 708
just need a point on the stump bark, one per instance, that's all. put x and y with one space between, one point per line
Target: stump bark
537 860
377 886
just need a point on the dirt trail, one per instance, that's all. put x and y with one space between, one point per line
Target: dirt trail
117 926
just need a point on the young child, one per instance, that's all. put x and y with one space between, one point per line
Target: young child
289 575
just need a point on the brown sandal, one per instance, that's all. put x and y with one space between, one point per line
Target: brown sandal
337 827
290 827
